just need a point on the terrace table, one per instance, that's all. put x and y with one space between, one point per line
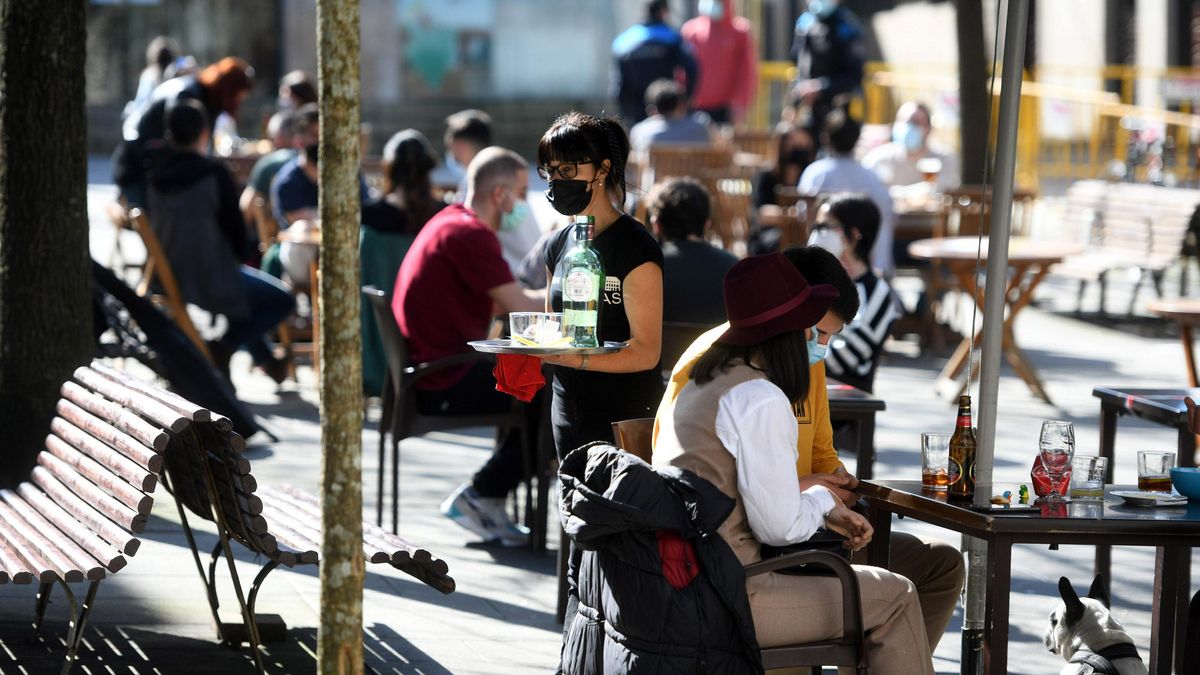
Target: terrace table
1186 313
857 407
1029 260
1173 531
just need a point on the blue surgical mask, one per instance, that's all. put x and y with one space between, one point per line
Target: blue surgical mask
911 136
816 350
713 9
513 219
823 8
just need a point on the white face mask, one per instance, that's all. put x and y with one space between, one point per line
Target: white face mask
713 9
829 239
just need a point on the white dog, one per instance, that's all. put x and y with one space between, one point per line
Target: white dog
1084 632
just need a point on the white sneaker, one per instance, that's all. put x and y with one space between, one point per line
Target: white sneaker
484 516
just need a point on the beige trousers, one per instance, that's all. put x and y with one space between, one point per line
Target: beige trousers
793 609
935 569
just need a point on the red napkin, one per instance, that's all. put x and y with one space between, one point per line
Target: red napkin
1041 480
679 562
519 375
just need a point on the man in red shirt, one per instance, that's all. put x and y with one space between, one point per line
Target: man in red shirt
725 51
451 279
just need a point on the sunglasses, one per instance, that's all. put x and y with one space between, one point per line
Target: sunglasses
566 170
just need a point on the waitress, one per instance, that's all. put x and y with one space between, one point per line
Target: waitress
583 158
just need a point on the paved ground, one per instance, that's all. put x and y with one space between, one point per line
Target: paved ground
152 618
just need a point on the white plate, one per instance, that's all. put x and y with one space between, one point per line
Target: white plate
1142 498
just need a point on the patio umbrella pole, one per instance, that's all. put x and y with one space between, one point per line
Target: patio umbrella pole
993 318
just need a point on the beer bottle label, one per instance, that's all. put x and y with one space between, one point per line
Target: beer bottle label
954 470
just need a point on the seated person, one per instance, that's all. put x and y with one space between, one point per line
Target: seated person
840 172
846 227
935 568
896 162
734 423
279 129
297 89
448 284
794 150
693 269
407 201
669 120
192 205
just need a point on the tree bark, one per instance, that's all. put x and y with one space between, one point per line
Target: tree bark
974 133
340 648
45 296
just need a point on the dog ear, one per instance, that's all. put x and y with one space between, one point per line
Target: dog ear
1099 590
1074 608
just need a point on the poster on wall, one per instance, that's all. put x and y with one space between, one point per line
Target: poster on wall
446 45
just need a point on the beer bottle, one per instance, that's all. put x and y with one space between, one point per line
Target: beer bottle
962 453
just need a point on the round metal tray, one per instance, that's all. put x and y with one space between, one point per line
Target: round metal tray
507 346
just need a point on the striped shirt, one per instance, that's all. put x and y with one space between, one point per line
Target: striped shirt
853 351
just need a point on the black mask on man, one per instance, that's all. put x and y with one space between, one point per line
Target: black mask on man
312 152
569 196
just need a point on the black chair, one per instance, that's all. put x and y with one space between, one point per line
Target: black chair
634 436
400 418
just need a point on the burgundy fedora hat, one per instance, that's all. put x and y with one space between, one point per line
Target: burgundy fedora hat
766 295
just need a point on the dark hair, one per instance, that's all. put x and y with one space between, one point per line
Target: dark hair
655 9
681 207
186 121
856 212
299 85
579 137
307 118
408 158
779 137
822 267
841 132
784 359
665 95
225 80
473 126
160 53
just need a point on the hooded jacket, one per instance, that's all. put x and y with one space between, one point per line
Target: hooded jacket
192 204
728 64
630 619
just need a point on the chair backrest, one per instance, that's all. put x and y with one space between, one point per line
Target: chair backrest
158 267
264 223
635 436
395 347
732 192
753 142
678 160
967 211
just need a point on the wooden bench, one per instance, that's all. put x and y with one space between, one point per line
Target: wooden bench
78 516
213 481
1135 227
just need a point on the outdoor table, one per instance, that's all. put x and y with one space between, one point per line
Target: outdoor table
1173 531
1029 260
1186 313
857 407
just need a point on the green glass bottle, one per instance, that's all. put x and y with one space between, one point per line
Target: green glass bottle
582 284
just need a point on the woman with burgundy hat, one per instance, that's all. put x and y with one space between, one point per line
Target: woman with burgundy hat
734 424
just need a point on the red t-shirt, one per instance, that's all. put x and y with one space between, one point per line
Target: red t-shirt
441 297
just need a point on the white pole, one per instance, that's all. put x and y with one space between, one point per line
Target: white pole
993 317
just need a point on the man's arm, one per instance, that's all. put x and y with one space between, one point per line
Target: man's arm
511 297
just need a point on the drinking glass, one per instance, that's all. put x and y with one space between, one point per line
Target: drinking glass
1154 470
935 462
1057 447
1087 477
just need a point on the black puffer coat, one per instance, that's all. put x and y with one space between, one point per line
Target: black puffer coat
630 620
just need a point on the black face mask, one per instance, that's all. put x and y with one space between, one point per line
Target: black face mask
799 157
569 197
312 152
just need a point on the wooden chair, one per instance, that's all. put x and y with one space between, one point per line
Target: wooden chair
732 192
753 143
158 268
634 436
400 418
677 160
967 212
800 209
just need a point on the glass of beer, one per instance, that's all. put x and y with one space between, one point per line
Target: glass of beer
1154 470
935 462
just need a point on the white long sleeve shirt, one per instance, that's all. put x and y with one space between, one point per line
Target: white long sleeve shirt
756 425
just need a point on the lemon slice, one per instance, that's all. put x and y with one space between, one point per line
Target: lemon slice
560 342
525 341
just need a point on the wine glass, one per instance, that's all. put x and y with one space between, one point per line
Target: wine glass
1057 447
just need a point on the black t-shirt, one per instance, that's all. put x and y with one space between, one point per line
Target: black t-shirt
693 282
384 216
623 247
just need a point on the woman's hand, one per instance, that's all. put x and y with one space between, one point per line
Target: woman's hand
851 525
840 483
566 360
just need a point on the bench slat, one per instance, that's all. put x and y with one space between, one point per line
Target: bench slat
28 554
11 569
138 454
53 558
308 510
100 475
177 403
75 439
109 555
146 406
81 559
85 478
84 511
118 416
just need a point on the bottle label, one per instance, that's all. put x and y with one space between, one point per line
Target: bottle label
964 420
954 470
579 286
579 318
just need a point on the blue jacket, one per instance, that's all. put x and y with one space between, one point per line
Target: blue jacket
646 52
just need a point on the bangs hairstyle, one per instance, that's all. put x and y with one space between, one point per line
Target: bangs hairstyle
784 359
579 137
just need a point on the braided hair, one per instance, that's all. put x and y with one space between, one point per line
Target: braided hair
580 137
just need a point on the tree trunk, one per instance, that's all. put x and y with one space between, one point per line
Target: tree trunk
45 296
973 100
340 648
